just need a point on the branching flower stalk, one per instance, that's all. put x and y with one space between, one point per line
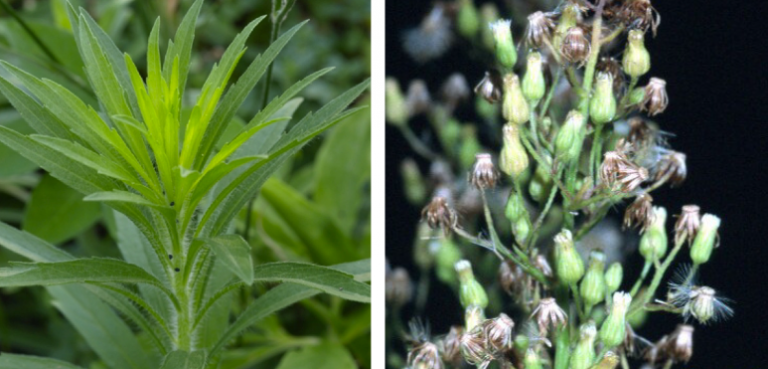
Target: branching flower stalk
568 151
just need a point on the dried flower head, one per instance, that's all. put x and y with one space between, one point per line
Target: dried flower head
640 14
700 302
474 347
576 46
541 263
547 314
511 277
425 356
539 30
688 223
620 174
450 346
417 100
484 175
639 213
439 215
631 177
432 38
455 89
498 331
678 346
489 89
672 167
398 287
640 132
656 99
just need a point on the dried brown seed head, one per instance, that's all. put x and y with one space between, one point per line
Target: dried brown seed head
398 287
455 89
548 314
498 331
539 31
484 175
417 100
639 213
688 223
439 215
656 99
576 46
425 356
450 346
489 88
678 346
474 347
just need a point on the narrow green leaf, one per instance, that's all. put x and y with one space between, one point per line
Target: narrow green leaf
235 253
30 246
277 299
181 47
57 213
117 196
184 360
14 361
89 158
40 119
238 141
325 279
327 355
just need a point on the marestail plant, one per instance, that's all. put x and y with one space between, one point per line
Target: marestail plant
571 138
175 185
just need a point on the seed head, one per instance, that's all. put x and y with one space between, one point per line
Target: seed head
679 345
547 314
672 166
541 263
640 14
484 175
511 277
455 89
417 100
498 331
450 345
700 302
398 287
611 66
688 223
656 99
432 38
425 356
489 89
539 30
576 46
474 347
639 213
439 215
618 173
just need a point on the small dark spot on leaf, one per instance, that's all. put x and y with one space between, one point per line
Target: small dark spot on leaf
341 288
170 256
177 269
173 203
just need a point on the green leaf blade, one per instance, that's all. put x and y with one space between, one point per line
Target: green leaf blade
184 360
14 361
328 280
235 253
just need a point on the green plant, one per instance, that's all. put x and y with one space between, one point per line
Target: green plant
176 178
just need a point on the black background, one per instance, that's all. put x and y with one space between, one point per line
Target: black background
714 57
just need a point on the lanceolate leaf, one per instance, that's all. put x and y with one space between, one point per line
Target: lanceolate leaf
181 48
235 253
38 117
328 280
184 360
30 246
14 361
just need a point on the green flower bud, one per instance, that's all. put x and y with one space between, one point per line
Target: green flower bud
568 19
515 208
613 278
636 96
446 257
534 86
637 319
568 263
470 291
613 330
637 60
570 137
514 159
598 316
592 287
584 354
397 114
485 109
506 53
489 14
514 108
473 316
540 184
522 342
415 191
522 229
653 244
532 360
468 21
705 240
602 106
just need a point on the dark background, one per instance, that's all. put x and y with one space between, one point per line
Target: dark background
714 57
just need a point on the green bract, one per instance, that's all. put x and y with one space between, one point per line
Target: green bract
176 182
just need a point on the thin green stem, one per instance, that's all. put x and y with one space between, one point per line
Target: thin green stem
657 277
643 274
577 300
543 214
417 145
551 93
594 156
589 73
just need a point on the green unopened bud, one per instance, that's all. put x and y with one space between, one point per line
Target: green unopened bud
653 243
569 18
489 13
473 316
506 53
521 343
584 354
522 229
637 319
541 184
514 159
602 106
397 114
705 240
514 108
570 137
637 60
613 330
598 316
470 291
515 208
532 360
485 109
415 191
446 257
592 287
534 86
468 21
570 267
613 278
636 96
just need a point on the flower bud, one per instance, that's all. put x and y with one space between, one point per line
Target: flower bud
593 287
522 229
518 216
489 13
637 60
534 86
532 360
653 244
613 278
470 291
468 21
415 190
522 342
584 354
568 263
609 361
396 111
514 107
506 53
602 106
474 316
613 330
705 240
514 159
636 96
576 46
447 255
569 19
570 137
540 184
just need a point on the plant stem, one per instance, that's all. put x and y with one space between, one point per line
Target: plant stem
643 274
562 349
589 73
597 143
658 275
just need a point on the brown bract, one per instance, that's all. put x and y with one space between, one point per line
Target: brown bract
688 223
672 167
576 46
639 213
548 314
656 99
439 215
484 175
426 356
488 89
539 30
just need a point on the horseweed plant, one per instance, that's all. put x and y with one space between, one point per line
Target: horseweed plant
176 186
574 144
